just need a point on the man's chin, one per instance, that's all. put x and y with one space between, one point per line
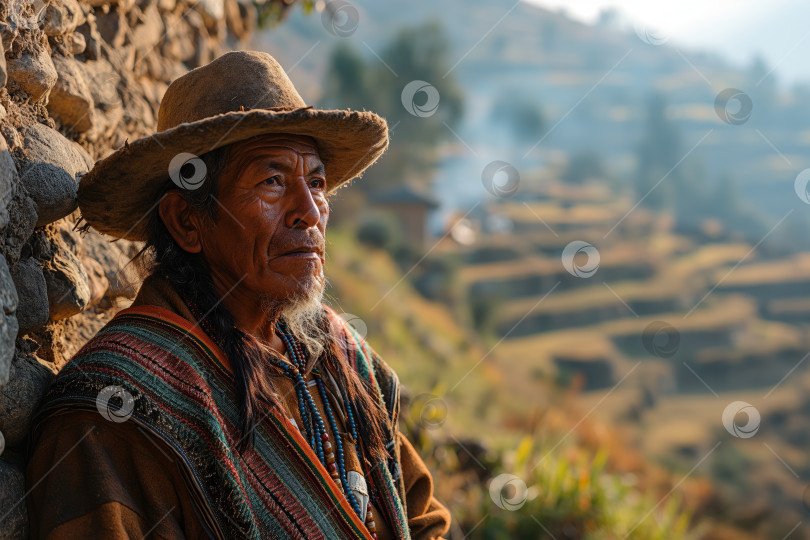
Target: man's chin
301 294
302 312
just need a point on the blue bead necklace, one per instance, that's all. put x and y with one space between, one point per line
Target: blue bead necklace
314 427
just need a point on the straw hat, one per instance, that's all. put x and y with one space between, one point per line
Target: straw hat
237 96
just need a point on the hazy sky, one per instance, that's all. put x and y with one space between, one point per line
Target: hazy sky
776 29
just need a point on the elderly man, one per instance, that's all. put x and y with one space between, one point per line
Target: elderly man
228 401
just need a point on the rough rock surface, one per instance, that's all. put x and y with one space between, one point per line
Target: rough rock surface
12 506
8 178
61 17
32 73
8 321
32 308
22 218
66 281
50 174
3 67
21 396
120 275
71 101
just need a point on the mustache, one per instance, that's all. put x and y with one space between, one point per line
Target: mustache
291 242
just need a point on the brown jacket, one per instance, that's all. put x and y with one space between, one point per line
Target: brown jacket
92 478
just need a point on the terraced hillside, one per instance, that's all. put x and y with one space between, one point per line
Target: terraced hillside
661 329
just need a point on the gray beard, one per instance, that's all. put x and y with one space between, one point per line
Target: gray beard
303 314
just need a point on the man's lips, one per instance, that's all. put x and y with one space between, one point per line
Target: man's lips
303 253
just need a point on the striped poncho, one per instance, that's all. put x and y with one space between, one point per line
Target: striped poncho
182 393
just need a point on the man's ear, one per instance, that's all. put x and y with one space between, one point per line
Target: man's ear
181 221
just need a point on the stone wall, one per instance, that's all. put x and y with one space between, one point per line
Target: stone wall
77 79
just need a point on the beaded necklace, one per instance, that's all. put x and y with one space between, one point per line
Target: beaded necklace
314 427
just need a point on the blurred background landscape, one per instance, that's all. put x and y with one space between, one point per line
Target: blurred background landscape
584 251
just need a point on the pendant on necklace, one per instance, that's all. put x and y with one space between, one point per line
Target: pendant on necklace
358 486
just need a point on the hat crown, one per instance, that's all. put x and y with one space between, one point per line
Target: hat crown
234 81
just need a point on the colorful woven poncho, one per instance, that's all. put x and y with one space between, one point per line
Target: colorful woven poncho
180 384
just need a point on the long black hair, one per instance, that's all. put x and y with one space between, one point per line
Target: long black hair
189 275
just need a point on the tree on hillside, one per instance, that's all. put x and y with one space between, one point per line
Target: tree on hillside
726 204
760 85
658 154
686 191
582 166
691 198
420 53
417 54
521 114
348 80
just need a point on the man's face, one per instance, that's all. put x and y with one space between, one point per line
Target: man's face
268 238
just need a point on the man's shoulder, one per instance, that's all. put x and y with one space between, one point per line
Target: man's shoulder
146 333
134 368
135 354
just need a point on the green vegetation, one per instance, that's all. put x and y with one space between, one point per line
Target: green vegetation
272 12
581 500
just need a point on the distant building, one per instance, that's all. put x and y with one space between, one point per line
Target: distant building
411 207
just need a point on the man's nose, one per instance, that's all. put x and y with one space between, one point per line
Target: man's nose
303 211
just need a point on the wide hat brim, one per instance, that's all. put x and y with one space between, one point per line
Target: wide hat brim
119 194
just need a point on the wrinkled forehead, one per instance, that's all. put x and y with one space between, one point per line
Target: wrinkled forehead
280 149
276 143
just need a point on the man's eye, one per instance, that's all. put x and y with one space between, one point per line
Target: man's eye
317 183
272 180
